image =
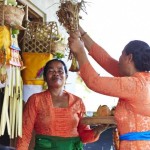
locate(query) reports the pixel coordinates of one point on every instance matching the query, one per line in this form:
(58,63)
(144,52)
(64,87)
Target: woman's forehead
(55,64)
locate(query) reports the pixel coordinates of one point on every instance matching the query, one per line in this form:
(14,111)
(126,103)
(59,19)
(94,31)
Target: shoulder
(37,95)
(73,96)
(142,79)
(35,98)
(75,100)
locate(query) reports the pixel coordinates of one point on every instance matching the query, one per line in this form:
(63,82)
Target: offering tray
(99,120)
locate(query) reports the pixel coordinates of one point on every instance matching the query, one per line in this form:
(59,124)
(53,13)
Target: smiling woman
(56,114)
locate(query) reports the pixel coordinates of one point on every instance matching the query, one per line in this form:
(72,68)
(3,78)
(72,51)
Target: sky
(112,24)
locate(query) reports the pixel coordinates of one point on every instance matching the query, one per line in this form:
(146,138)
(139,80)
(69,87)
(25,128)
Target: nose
(55,72)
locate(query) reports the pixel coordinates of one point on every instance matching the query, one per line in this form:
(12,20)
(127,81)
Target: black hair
(54,60)
(140,51)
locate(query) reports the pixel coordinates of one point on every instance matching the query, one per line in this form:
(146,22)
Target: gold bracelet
(84,33)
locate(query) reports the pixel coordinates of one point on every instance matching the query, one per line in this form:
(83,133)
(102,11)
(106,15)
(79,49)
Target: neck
(133,71)
(56,91)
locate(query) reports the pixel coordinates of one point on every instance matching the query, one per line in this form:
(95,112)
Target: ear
(130,58)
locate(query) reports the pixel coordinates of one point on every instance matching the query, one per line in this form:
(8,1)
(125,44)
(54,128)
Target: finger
(75,34)
(70,39)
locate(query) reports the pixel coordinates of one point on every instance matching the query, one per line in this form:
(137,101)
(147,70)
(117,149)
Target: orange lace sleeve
(29,115)
(104,59)
(86,134)
(112,86)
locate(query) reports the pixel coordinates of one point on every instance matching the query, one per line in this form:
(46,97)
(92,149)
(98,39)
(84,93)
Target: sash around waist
(134,136)
(44,142)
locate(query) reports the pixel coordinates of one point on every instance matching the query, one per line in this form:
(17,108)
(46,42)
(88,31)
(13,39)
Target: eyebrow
(60,68)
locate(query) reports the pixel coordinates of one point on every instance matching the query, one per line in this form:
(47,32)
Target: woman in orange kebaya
(131,84)
(55,115)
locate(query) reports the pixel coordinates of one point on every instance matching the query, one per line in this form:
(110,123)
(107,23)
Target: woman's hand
(101,128)
(76,46)
(75,43)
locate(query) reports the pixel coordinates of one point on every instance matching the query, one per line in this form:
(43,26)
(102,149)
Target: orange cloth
(133,109)
(39,114)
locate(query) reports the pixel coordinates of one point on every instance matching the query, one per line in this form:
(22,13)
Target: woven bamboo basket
(11,16)
(39,36)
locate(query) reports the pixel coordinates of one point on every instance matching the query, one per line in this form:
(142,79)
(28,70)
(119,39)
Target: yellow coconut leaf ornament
(5,41)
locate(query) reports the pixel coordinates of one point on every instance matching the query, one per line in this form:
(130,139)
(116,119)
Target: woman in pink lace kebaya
(131,84)
(55,115)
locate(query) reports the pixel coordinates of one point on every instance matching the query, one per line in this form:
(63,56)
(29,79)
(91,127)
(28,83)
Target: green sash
(44,142)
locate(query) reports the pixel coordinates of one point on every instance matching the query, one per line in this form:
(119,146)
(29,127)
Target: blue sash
(133,136)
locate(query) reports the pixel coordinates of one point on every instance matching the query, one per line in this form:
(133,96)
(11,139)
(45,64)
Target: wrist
(83,34)
(81,30)
(97,133)
(81,57)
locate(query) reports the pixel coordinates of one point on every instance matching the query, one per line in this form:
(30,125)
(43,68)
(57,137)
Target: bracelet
(84,33)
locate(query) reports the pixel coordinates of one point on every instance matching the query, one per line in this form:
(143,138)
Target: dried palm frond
(68,16)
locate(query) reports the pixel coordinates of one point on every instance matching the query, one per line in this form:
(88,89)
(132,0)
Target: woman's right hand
(77,47)
(75,43)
